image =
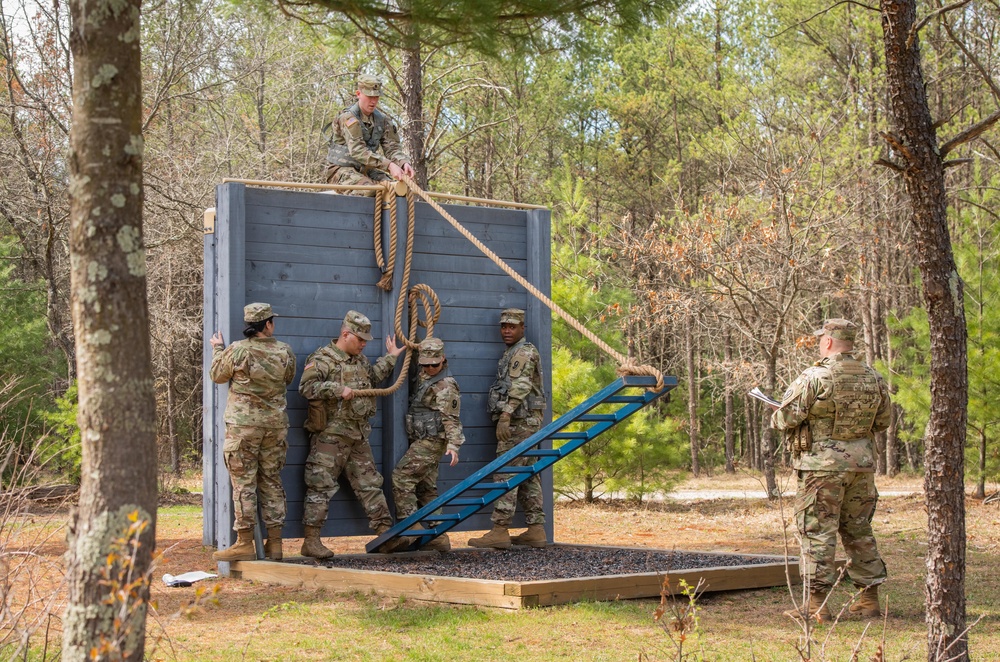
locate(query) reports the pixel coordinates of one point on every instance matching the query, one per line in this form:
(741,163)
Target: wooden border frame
(516,594)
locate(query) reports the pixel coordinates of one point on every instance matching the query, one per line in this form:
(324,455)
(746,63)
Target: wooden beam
(518,595)
(454,590)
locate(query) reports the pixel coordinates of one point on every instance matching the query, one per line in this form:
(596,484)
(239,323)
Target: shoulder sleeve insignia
(351,121)
(309,365)
(516,366)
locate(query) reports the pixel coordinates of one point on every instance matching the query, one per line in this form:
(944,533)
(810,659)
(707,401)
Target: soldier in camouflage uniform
(360,132)
(829,414)
(259,370)
(517,404)
(340,423)
(434,430)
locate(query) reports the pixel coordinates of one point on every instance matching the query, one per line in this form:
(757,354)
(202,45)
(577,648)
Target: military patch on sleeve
(516,366)
(351,121)
(309,365)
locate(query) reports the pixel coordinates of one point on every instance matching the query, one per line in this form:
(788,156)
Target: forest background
(718,183)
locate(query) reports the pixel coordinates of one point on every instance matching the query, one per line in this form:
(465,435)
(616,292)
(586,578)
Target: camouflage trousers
(350,177)
(414,480)
(254,457)
(330,456)
(832,502)
(529,493)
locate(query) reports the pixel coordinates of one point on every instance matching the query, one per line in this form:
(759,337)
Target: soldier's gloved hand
(503,428)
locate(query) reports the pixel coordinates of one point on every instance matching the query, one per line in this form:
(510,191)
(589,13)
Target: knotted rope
(420,295)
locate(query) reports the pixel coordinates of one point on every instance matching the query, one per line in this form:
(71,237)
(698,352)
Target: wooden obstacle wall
(311,256)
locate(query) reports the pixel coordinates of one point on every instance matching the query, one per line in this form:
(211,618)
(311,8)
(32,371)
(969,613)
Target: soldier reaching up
(258,369)
(340,423)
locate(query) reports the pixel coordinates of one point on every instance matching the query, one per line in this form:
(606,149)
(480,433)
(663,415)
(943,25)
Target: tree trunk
(980,492)
(923,176)
(871,341)
(108,288)
(730,436)
(767,438)
(892,434)
(413,109)
(692,395)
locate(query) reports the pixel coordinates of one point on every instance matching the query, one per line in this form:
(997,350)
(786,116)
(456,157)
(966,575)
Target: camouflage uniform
(353,156)
(258,371)
(343,444)
(433,428)
(518,391)
(843,401)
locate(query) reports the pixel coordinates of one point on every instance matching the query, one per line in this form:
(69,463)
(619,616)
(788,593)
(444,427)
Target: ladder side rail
(607,394)
(540,436)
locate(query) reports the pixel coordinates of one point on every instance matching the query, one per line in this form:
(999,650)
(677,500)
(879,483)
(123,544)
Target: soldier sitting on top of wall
(359,134)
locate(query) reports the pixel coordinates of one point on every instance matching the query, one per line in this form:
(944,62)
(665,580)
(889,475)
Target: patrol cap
(838,328)
(369,85)
(512,316)
(431,351)
(358,324)
(257,312)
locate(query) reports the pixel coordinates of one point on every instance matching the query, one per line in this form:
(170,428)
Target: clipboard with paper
(763,397)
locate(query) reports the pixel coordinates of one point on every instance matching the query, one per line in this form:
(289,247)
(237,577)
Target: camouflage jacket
(435,406)
(259,371)
(328,370)
(518,387)
(357,140)
(825,401)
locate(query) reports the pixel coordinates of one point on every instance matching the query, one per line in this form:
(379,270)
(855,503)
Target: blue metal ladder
(478,490)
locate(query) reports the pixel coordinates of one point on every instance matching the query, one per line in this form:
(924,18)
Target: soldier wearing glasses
(434,431)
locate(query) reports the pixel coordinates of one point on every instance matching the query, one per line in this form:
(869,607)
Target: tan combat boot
(818,609)
(243,550)
(497,538)
(272,548)
(397,545)
(313,546)
(533,537)
(440,544)
(866,606)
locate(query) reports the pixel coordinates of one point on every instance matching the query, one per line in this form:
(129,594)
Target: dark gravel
(529,564)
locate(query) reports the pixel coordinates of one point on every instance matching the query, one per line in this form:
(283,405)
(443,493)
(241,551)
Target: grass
(253,621)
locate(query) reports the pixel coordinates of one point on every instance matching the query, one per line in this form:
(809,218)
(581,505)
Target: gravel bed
(530,564)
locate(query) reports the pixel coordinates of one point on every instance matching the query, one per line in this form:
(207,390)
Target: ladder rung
(467,502)
(611,418)
(569,435)
(625,399)
(516,470)
(489,486)
(443,517)
(542,452)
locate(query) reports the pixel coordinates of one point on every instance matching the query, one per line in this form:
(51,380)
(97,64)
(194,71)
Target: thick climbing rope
(627,366)
(385,196)
(420,295)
